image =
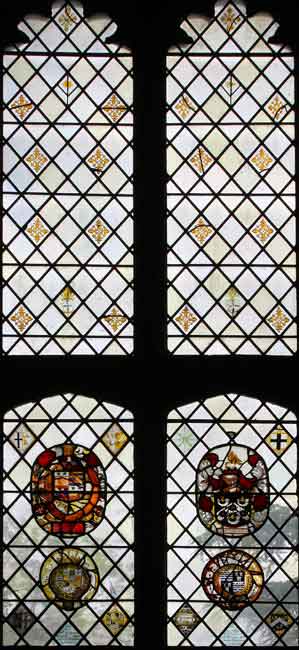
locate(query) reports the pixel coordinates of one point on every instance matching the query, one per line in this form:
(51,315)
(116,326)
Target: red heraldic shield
(68,490)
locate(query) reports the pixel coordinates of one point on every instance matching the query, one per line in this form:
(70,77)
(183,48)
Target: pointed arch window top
(67,187)
(68,545)
(232,31)
(68,31)
(232,527)
(231,167)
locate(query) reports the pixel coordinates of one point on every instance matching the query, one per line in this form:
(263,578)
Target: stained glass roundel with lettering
(68,490)
(233,579)
(232,490)
(69,577)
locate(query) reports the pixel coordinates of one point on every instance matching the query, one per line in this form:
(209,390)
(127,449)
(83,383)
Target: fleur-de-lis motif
(261,160)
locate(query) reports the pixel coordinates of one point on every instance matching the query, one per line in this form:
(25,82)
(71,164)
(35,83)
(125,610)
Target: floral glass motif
(37,230)
(232,524)
(68,534)
(21,319)
(231,190)
(21,106)
(67,187)
(114,108)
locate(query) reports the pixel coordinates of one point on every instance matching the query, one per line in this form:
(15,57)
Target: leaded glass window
(68,557)
(149,383)
(232,527)
(231,194)
(67,188)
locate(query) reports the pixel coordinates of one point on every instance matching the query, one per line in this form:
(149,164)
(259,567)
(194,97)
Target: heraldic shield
(232,491)
(68,490)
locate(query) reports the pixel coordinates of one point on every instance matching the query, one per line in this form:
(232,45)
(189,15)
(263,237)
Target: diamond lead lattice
(68,197)
(211,445)
(231,192)
(32,554)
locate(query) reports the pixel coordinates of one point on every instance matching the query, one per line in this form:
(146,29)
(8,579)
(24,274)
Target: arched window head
(231,190)
(68,536)
(232,528)
(67,188)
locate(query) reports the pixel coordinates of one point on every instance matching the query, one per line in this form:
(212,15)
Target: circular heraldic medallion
(233,579)
(68,490)
(69,577)
(232,490)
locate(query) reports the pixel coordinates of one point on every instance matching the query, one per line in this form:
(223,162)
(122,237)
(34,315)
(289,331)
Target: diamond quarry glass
(232,524)
(68,538)
(67,188)
(231,192)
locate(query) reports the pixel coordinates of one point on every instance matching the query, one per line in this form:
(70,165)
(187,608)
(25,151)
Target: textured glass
(67,188)
(68,537)
(231,193)
(232,524)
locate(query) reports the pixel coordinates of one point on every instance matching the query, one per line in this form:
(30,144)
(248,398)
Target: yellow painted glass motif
(67,188)
(232,524)
(68,524)
(231,189)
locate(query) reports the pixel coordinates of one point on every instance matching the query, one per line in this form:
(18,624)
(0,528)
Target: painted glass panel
(67,188)
(68,538)
(231,194)
(232,524)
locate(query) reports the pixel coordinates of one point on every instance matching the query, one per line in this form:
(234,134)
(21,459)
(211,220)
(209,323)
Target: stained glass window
(232,528)
(67,188)
(68,558)
(231,194)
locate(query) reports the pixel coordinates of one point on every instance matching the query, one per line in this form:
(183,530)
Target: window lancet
(232,528)
(67,188)
(68,556)
(231,193)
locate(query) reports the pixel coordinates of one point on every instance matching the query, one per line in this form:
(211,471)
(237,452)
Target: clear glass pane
(68,194)
(232,527)
(231,194)
(68,536)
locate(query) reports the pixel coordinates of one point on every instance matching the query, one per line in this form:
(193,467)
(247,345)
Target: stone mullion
(150,203)
(150,338)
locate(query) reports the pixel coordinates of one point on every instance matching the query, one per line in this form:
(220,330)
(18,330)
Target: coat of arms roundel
(68,490)
(232,491)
